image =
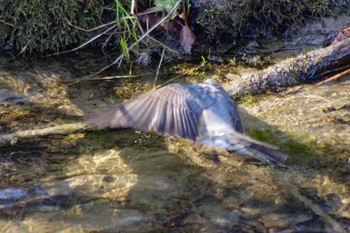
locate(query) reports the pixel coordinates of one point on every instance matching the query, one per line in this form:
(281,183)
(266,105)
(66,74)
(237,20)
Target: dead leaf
(341,36)
(187,38)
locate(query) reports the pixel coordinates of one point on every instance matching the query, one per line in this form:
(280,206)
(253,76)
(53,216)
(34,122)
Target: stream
(123,180)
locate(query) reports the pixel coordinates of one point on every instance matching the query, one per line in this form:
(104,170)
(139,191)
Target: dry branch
(303,68)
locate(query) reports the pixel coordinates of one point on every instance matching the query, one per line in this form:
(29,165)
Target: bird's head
(212,82)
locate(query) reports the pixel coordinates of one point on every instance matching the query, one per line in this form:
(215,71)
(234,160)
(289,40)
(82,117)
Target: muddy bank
(58,26)
(235,22)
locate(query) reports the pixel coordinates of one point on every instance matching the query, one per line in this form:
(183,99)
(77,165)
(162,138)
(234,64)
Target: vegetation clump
(56,25)
(39,25)
(230,20)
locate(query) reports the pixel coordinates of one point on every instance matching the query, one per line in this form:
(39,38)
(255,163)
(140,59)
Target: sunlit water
(122,180)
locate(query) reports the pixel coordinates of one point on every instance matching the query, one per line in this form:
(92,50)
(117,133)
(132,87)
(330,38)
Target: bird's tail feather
(262,151)
(266,154)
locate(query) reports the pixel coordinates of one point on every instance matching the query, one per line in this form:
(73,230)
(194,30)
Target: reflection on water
(122,180)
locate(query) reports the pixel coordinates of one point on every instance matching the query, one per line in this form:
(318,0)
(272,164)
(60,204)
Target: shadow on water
(155,190)
(119,180)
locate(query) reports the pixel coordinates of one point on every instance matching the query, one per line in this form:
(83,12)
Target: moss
(39,25)
(249,100)
(229,20)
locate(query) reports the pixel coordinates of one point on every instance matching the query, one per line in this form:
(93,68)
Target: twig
(9,24)
(290,189)
(107,78)
(60,129)
(162,44)
(82,45)
(335,77)
(133,7)
(159,65)
(176,77)
(333,71)
(317,210)
(90,30)
(167,82)
(150,11)
(149,31)
(133,44)
(108,38)
(26,46)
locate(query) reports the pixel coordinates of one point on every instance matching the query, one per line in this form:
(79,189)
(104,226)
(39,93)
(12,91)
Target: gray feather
(203,113)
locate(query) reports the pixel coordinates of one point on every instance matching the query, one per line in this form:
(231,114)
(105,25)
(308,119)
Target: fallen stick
(303,68)
(341,74)
(60,129)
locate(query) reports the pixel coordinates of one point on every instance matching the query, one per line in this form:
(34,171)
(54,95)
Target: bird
(203,113)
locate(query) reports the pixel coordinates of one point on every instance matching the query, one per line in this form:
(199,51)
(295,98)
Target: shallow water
(124,180)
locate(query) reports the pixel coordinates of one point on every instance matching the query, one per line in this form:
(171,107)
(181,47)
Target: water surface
(130,181)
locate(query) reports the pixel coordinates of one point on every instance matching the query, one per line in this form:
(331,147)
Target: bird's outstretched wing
(168,110)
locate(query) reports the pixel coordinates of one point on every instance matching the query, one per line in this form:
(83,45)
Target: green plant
(39,25)
(127,26)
